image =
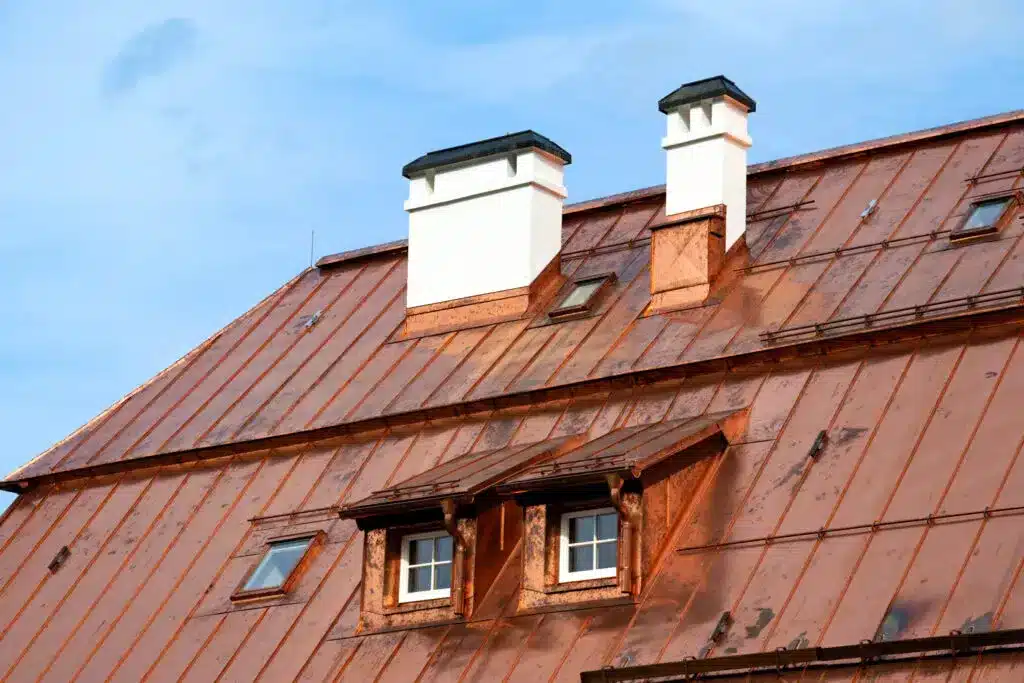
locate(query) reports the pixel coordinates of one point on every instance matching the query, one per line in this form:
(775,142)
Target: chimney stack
(706,149)
(485,221)
(705,190)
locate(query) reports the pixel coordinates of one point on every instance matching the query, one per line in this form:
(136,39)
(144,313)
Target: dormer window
(984,217)
(426,567)
(578,520)
(435,542)
(581,297)
(589,545)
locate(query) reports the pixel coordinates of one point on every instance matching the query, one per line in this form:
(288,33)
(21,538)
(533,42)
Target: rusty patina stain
(799,643)
(764,617)
(848,434)
(978,624)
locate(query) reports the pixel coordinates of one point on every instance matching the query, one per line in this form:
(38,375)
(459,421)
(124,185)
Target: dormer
(576,519)
(485,231)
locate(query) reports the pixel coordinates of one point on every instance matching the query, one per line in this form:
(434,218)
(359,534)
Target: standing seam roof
(906,524)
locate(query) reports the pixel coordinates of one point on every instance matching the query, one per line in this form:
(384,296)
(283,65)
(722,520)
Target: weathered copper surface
(923,419)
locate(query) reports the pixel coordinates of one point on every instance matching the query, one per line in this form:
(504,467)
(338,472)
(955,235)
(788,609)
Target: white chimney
(706,145)
(484,217)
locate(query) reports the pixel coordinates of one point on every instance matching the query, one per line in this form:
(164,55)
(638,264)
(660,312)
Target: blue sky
(162,164)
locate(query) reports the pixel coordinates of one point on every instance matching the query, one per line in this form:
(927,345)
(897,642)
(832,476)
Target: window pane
(277,564)
(986,214)
(443,549)
(581,558)
(421,550)
(580,294)
(606,553)
(607,526)
(581,529)
(419,579)
(442,575)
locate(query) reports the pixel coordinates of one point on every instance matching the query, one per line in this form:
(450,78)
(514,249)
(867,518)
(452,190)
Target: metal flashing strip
(853,529)
(845,251)
(956,644)
(989,301)
(382,250)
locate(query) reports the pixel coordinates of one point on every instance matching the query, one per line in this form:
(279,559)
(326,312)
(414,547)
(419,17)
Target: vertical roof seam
(276,360)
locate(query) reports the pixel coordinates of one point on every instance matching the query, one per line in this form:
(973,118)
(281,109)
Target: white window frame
(566,576)
(404,595)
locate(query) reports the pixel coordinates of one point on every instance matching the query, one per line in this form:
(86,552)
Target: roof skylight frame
(1008,201)
(242,592)
(581,308)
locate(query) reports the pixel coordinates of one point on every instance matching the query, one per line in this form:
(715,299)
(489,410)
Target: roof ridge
(783,163)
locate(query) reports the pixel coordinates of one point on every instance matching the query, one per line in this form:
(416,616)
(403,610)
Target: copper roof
(812,260)
(905,525)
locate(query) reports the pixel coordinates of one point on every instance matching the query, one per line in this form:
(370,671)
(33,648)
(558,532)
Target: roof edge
(781,164)
(362,253)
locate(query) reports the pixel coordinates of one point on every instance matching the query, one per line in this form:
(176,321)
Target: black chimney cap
(702,90)
(485,148)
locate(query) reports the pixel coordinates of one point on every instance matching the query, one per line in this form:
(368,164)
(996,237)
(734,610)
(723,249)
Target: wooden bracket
(451,525)
(625,573)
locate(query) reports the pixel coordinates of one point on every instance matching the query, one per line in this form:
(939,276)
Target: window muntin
(277,565)
(589,545)
(984,216)
(426,567)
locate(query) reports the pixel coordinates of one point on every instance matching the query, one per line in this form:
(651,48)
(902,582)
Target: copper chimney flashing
(687,251)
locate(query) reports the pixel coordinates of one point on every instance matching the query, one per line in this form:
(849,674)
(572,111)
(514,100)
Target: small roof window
(274,572)
(426,567)
(983,217)
(581,296)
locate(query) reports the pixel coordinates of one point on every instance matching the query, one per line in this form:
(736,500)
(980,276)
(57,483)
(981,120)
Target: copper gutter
(865,653)
(852,342)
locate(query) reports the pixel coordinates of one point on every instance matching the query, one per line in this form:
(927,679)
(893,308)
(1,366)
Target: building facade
(657,445)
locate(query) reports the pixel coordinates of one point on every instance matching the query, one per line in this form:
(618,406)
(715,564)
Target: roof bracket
(59,559)
(451,525)
(313,320)
(872,206)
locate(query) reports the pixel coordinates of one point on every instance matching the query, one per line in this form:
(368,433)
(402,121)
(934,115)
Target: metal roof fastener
(313,320)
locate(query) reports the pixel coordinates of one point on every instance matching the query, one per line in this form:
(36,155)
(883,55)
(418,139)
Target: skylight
(581,297)
(983,217)
(277,565)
